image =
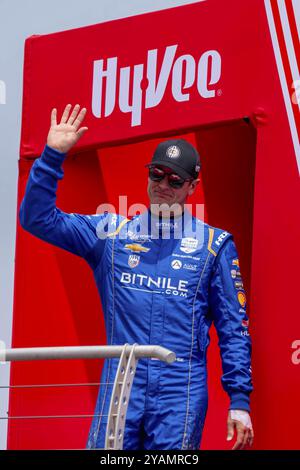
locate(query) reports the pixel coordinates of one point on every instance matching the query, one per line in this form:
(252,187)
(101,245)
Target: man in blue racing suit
(162,280)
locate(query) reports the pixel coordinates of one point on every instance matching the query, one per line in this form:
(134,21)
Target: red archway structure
(228,87)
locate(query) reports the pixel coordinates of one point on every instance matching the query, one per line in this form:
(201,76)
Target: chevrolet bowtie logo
(136,247)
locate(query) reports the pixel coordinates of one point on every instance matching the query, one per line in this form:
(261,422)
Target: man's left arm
(227,302)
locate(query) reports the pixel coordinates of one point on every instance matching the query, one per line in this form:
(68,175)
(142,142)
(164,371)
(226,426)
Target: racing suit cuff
(239,401)
(53,157)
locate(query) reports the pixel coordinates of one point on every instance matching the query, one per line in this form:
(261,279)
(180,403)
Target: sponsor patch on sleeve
(241,298)
(221,238)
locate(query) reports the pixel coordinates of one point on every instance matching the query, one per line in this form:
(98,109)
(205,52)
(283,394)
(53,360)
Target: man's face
(160,192)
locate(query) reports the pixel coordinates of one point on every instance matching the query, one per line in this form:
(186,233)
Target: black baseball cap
(179,155)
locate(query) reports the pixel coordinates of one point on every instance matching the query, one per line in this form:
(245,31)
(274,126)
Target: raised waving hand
(63,135)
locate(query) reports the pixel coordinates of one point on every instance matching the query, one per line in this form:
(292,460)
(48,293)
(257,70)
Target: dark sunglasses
(174,180)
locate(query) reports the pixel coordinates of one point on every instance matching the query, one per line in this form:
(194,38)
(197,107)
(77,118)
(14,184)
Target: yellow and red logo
(235,262)
(241,298)
(136,248)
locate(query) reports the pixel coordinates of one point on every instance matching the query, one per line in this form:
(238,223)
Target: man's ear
(193,186)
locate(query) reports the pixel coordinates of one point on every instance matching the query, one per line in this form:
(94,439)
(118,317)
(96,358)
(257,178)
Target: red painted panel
(250,186)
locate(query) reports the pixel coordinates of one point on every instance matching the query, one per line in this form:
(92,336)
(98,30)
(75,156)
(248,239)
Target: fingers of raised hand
(74,119)
(65,115)
(77,122)
(73,115)
(81,131)
(53,117)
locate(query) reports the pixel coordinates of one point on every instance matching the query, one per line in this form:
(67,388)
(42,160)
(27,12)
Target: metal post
(120,399)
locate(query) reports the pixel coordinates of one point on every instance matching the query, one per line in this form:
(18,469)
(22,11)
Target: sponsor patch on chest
(189,245)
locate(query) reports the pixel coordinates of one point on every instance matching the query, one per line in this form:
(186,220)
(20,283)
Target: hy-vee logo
(127,84)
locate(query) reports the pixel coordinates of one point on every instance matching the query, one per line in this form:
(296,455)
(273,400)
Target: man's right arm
(40,216)
(38,212)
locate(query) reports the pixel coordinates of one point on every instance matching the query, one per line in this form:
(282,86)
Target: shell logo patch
(136,248)
(241,298)
(235,262)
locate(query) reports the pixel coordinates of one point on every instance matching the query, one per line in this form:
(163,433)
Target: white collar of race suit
(149,224)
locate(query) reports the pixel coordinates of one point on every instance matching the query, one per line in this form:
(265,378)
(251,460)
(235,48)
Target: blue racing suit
(160,283)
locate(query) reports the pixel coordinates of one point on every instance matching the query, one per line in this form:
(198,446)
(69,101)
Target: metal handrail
(84,352)
(129,356)
(82,384)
